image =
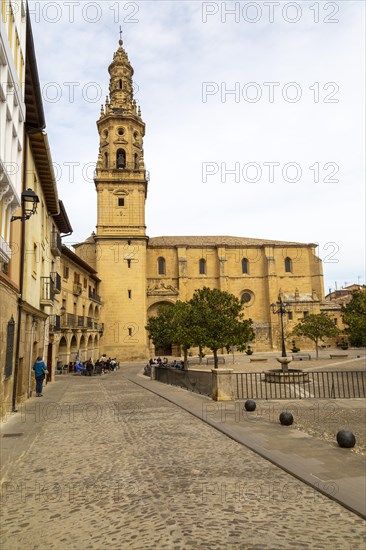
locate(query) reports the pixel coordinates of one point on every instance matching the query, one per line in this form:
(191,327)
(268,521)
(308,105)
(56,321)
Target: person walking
(40,371)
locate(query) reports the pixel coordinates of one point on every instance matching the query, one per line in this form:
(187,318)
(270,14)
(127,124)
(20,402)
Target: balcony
(68,321)
(77,289)
(94,296)
(56,280)
(47,291)
(55,323)
(56,243)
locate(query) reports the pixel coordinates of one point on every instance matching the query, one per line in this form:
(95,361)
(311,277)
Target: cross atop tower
(120,35)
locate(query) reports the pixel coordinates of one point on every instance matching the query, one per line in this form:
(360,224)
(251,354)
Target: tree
(160,327)
(217,318)
(174,325)
(354,316)
(316,328)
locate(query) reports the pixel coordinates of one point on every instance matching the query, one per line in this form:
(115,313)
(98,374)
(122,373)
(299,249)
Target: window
(246,297)
(288,265)
(66,272)
(335,321)
(120,83)
(121,159)
(121,202)
(129,293)
(136,161)
(76,277)
(202,266)
(130,332)
(161,266)
(85,283)
(289,315)
(245,266)
(128,263)
(106,163)
(306,314)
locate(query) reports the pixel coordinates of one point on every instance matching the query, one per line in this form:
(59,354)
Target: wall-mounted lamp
(29,205)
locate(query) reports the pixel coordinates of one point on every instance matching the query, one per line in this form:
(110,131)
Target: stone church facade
(138,273)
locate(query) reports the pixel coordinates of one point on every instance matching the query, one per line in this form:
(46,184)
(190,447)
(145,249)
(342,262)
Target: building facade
(139,274)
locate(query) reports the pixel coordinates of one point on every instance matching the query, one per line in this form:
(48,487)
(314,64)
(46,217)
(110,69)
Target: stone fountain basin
(289,376)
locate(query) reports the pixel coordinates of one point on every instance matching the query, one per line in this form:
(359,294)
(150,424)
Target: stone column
(222,385)
(153,373)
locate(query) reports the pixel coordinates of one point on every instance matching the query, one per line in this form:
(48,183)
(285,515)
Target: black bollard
(286,418)
(346,439)
(250,405)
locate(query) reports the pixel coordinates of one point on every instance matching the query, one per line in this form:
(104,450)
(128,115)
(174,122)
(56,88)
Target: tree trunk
(316,349)
(216,361)
(200,353)
(185,351)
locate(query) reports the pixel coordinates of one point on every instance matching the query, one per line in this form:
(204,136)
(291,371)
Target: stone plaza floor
(103,463)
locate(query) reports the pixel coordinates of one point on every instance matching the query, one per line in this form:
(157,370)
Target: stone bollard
(222,385)
(153,373)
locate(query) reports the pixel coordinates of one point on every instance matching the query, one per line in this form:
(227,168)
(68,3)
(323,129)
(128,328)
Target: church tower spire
(121,183)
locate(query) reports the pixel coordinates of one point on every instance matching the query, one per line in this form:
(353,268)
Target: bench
(301,356)
(211,360)
(338,356)
(257,359)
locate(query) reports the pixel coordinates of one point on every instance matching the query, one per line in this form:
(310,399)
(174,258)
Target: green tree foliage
(354,316)
(316,328)
(212,318)
(218,321)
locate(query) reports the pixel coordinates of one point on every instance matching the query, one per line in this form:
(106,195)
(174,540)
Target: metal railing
(56,280)
(319,385)
(195,381)
(94,296)
(56,243)
(55,323)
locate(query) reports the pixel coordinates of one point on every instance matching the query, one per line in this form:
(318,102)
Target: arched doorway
(73,349)
(82,349)
(158,349)
(90,351)
(62,355)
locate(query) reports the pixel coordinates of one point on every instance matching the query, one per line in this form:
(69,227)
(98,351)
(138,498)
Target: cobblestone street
(111,465)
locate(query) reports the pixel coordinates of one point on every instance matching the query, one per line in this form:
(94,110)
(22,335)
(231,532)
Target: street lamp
(29,202)
(280,309)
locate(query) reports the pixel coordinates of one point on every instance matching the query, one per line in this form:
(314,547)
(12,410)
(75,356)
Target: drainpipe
(21,284)
(30,358)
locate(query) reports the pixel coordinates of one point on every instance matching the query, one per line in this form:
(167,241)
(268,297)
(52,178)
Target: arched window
(202,266)
(120,83)
(161,266)
(121,159)
(105,160)
(136,161)
(244,266)
(288,265)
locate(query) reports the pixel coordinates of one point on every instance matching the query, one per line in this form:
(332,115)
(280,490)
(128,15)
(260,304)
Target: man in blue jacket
(40,371)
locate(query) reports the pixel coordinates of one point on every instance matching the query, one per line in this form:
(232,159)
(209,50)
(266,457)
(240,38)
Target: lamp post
(29,202)
(280,309)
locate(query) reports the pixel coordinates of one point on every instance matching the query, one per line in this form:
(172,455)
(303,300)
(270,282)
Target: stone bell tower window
(121,159)
(121,202)
(135,161)
(120,83)
(105,160)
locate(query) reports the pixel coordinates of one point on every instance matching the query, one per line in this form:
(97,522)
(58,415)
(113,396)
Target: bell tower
(121,184)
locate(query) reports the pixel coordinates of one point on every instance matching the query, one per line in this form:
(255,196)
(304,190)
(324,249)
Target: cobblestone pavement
(113,466)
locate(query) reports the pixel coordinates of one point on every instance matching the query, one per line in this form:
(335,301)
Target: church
(138,274)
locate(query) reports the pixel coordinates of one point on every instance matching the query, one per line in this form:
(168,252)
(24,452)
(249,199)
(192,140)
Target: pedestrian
(40,371)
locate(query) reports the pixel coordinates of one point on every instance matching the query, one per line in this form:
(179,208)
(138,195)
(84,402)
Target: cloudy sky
(254,116)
